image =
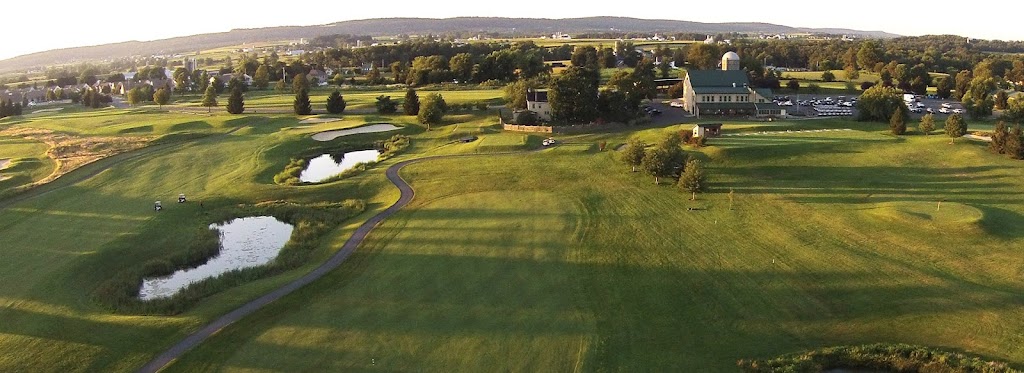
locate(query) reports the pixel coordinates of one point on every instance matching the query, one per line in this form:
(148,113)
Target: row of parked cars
(840,101)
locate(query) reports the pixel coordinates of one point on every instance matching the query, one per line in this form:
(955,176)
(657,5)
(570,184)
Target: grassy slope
(57,248)
(832,241)
(270,99)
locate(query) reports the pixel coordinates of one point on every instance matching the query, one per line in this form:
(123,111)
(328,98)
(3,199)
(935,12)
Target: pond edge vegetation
(310,221)
(388,148)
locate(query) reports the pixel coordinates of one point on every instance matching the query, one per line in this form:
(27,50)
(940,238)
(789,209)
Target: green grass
(354,99)
(555,260)
(804,259)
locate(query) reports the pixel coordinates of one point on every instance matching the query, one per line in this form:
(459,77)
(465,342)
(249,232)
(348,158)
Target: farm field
(554,260)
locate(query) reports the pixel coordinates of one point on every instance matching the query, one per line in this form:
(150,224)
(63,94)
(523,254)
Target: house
(727,92)
(319,76)
(707,130)
(537,102)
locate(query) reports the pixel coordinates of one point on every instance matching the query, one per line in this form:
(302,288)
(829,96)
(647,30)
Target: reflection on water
(325,166)
(244,243)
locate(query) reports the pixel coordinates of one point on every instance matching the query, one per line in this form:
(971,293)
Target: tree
(704,56)
(385,105)
(927,124)
(633,153)
(793,84)
(461,66)
(693,179)
(134,96)
(1000,135)
(162,96)
(515,93)
(955,127)
(656,163)
(1014,111)
(281,85)
(944,87)
(962,84)
(1001,99)
(432,110)
(335,103)
(869,54)
(851,73)
(1015,143)
(300,83)
(898,122)
(411,105)
(218,85)
(302,105)
(828,76)
(878,104)
(573,96)
(261,79)
(210,98)
(236,103)
(676,90)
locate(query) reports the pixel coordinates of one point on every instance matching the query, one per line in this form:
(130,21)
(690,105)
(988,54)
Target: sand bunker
(333,134)
(54,110)
(319,120)
(4,163)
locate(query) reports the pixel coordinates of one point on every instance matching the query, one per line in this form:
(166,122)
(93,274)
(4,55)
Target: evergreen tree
(210,98)
(162,96)
(385,105)
(281,85)
(17,109)
(1000,135)
(693,180)
(897,124)
(335,103)
(411,105)
(87,98)
(633,153)
(955,127)
(1015,143)
(927,124)
(300,83)
(5,110)
(261,79)
(302,105)
(236,103)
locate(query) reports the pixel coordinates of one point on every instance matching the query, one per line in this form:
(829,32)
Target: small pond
(331,135)
(244,243)
(326,166)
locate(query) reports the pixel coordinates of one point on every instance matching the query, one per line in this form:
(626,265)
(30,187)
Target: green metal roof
(720,90)
(726,106)
(718,78)
(764,92)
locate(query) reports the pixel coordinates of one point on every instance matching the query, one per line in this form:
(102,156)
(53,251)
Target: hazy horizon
(898,18)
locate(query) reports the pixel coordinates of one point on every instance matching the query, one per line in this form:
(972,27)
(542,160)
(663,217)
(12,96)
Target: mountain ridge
(395,26)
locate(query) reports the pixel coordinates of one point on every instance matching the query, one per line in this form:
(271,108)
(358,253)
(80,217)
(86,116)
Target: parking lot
(935,104)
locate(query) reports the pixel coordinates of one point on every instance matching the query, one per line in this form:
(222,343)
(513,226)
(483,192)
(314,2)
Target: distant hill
(394,26)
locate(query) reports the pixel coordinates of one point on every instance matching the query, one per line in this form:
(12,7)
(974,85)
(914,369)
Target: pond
(325,166)
(331,135)
(244,243)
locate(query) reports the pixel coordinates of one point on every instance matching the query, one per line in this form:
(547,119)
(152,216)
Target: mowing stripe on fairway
(407,194)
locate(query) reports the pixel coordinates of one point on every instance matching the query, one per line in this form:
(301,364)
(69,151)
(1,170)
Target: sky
(81,23)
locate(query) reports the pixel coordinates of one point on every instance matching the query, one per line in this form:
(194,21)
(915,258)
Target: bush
(875,357)
(828,76)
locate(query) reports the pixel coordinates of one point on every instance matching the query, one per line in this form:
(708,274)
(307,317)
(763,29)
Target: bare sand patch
(333,134)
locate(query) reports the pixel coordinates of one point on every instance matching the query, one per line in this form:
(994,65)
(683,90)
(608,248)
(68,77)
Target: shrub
(828,76)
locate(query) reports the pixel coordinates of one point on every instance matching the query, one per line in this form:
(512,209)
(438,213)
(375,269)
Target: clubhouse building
(727,92)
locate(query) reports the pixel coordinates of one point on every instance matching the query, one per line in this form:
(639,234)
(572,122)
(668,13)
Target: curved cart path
(194,339)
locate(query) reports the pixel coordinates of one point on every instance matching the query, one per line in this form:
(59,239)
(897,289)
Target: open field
(545,261)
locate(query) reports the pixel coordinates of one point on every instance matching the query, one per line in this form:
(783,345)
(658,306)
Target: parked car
(916,110)
(930,111)
(947,105)
(944,110)
(676,104)
(920,105)
(958,111)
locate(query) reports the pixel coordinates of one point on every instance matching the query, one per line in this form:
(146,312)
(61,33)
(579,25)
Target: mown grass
(599,269)
(554,260)
(256,100)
